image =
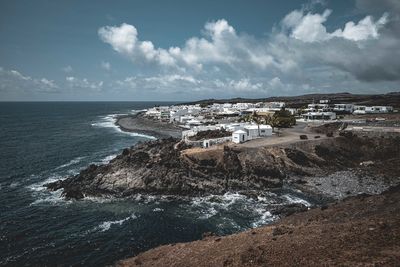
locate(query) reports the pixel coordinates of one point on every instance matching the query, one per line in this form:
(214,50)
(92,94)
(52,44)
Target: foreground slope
(360,231)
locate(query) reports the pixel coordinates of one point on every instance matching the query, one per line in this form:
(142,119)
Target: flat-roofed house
(239,136)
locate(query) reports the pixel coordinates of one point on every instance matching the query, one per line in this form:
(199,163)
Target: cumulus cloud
(203,86)
(366,49)
(13,80)
(365,29)
(310,27)
(123,39)
(74,82)
(299,55)
(220,45)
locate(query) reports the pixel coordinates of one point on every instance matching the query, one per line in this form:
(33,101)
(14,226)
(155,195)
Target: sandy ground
(285,136)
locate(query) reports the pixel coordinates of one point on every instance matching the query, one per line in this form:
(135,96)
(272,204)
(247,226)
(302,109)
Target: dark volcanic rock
(159,167)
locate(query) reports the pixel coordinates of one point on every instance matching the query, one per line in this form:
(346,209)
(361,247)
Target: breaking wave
(109,122)
(70,163)
(105,226)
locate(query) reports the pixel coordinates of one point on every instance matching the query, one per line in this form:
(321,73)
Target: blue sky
(187,50)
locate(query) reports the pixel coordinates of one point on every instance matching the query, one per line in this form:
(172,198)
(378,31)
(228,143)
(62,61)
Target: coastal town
(313,154)
(206,125)
(188,133)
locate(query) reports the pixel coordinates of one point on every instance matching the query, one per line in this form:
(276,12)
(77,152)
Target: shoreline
(313,167)
(136,123)
(359,230)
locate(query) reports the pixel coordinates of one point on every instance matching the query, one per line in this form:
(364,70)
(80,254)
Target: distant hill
(389,99)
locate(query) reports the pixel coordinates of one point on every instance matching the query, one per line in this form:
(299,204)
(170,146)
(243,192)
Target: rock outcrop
(159,167)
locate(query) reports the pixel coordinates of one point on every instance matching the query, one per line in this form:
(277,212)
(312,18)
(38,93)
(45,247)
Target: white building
(318,108)
(255,131)
(250,132)
(372,110)
(343,108)
(319,116)
(239,136)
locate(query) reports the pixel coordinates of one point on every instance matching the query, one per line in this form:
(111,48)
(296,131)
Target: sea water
(44,142)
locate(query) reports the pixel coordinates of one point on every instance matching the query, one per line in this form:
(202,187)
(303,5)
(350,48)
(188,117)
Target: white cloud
(68,69)
(19,75)
(220,45)
(106,65)
(48,83)
(245,85)
(84,83)
(122,39)
(365,29)
(16,81)
(310,27)
(168,79)
(223,61)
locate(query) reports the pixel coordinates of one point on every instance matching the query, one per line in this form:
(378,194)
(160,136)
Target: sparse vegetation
(209,134)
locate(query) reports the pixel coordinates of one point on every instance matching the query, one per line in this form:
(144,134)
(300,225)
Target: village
(206,125)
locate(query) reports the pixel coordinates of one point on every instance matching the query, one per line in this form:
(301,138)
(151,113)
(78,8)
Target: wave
(158,210)
(108,158)
(105,226)
(293,199)
(70,163)
(265,218)
(40,185)
(43,195)
(52,197)
(235,205)
(14,184)
(109,122)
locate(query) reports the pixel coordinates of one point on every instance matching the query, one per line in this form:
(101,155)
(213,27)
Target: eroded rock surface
(158,167)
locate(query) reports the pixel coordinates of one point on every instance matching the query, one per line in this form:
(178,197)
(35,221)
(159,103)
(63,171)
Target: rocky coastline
(162,168)
(337,172)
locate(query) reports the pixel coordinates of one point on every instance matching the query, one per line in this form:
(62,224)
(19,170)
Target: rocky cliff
(158,167)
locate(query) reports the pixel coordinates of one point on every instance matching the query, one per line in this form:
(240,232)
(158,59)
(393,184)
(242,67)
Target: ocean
(42,142)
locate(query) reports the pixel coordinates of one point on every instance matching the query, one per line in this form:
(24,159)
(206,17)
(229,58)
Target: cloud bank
(363,51)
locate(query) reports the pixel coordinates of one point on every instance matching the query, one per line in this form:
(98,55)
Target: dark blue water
(43,142)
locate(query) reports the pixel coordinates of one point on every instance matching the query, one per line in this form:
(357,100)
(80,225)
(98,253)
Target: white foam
(105,226)
(70,163)
(40,185)
(14,184)
(224,201)
(108,158)
(102,199)
(266,217)
(109,122)
(158,210)
(52,197)
(210,212)
(294,199)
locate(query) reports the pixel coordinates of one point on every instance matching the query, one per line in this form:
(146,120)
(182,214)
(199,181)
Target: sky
(189,50)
